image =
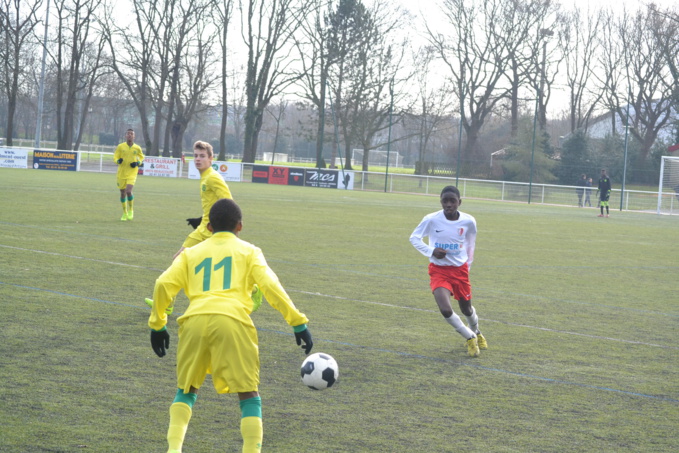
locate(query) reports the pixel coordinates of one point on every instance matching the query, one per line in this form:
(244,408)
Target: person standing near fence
(588,192)
(604,192)
(129,157)
(580,190)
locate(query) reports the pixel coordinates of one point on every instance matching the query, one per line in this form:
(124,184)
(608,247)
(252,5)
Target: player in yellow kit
(129,156)
(216,334)
(212,188)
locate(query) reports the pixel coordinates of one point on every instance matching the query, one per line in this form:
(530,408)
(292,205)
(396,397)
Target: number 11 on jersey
(206,267)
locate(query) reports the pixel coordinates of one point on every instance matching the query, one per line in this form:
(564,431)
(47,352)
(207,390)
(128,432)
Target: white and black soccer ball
(319,371)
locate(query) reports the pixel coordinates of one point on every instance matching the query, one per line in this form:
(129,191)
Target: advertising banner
(260,174)
(320,177)
(13,158)
(56,160)
(332,179)
(346,180)
(278,175)
(295,176)
(229,171)
(167,167)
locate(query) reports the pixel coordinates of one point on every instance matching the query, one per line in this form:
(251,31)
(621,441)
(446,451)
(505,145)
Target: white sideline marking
(80,258)
(489,320)
(330,296)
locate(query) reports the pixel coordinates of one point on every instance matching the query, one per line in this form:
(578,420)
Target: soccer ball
(319,371)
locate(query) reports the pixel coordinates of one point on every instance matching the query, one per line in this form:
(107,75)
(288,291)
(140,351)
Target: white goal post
(668,187)
(376,157)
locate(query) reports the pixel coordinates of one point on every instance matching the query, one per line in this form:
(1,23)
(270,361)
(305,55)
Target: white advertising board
(230,171)
(166,167)
(13,158)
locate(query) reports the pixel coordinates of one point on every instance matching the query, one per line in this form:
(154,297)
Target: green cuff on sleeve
(299,328)
(160,330)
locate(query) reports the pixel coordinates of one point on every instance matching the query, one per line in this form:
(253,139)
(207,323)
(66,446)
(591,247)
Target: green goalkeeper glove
(120,161)
(160,341)
(303,336)
(256,297)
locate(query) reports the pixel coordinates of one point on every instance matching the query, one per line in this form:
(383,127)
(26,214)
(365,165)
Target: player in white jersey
(450,248)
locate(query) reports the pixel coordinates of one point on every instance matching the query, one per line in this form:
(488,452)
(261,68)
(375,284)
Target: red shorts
(454,279)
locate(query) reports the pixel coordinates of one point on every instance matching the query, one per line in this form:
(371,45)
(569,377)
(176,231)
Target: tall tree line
(355,61)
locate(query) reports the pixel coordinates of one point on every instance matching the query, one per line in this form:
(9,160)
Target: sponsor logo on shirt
(460,232)
(447,246)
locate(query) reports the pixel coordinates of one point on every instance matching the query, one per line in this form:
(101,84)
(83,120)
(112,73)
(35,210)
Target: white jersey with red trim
(456,237)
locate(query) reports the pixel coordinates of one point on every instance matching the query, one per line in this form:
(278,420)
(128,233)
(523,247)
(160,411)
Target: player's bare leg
(469,312)
(442,297)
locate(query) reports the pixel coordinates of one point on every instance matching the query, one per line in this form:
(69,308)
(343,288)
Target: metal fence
(518,192)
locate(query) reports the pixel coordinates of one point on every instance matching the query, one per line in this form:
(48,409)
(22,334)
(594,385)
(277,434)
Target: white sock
(473,321)
(459,326)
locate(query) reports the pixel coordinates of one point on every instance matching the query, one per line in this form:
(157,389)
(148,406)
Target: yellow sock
(253,432)
(180,414)
(130,203)
(123,201)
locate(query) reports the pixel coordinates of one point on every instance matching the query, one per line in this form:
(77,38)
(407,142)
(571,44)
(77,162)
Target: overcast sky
(429,9)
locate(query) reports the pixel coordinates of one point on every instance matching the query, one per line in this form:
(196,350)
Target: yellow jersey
(129,154)
(217,276)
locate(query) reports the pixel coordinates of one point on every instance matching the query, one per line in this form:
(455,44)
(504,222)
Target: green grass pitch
(581,315)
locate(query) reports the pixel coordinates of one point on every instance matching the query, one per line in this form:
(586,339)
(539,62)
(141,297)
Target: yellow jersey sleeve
(212,188)
(217,276)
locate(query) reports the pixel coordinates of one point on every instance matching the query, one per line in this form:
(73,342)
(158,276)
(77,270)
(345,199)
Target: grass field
(581,315)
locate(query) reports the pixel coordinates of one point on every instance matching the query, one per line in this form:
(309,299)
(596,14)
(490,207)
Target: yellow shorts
(221,346)
(123,182)
(197,236)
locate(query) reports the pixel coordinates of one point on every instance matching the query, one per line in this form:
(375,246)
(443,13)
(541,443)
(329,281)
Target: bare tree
(578,42)
(366,54)
(268,29)
(518,24)
(476,54)
(75,35)
(666,30)
(644,78)
(158,59)
(190,51)
(278,114)
(315,60)
(132,58)
(224,13)
(90,75)
(434,105)
(16,27)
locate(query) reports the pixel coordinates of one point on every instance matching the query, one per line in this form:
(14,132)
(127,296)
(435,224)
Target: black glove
(120,161)
(194,222)
(304,336)
(160,341)
(134,164)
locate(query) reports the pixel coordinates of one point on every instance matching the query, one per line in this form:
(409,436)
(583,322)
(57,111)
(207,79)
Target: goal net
(377,157)
(668,188)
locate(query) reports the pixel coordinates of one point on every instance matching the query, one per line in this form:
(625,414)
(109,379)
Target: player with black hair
(216,334)
(604,192)
(450,248)
(129,157)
